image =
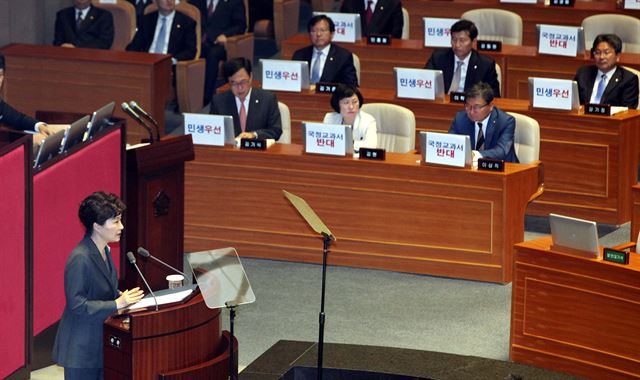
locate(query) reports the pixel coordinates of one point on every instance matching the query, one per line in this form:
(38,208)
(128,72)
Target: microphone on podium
(129,111)
(132,260)
(144,253)
(135,106)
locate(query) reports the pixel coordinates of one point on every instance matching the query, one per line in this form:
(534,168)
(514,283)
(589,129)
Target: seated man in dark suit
(84,26)
(491,130)
(462,66)
(377,16)
(255,111)
(220,19)
(606,82)
(335,64)
(140,5)
(178,37)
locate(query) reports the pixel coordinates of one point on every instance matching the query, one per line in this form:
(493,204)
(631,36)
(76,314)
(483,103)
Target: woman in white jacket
(346,102)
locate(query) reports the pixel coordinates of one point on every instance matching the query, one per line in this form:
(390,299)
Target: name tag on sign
(631,4)
(206,129)
(284,75)
(437,31)
(348,28)
(560,40)
(556,94)
(445,149)
(419,83)
(329,139)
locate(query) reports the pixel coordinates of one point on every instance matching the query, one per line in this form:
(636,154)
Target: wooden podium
(183,341)
(155,207)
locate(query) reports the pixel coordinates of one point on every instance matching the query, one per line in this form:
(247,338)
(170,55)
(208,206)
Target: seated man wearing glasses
(491,129)
(254,110)
(605,82)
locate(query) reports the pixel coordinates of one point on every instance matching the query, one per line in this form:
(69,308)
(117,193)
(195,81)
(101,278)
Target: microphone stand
(132,259)
(326,240)
(147,254)
(233,373)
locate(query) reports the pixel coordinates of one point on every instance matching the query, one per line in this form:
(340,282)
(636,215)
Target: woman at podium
(346,102)
(91,289)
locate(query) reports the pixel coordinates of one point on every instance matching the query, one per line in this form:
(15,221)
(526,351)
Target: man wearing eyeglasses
(605,82)
(327,62)
(491,130)
(254,110)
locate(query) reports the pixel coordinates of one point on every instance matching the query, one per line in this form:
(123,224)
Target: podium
(176,342)
(155,207)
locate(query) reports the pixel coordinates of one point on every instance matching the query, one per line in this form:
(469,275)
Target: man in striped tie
(84,26)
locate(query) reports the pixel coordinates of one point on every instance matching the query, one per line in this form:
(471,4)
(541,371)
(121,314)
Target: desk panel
(393,215)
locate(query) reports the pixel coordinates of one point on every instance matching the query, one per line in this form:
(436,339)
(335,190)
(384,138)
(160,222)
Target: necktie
(210,8)
(600,89)
(161,36)
(455,82)
(79,20)
(140,7)
(368,14)
(480,139)
(243,116)
(315,70)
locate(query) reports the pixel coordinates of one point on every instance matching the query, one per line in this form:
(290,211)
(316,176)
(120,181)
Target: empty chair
(496,24)
(526,139)
(285,117)
(405,24)
(286,16)
(396,126)
(124,21)
(356,64)
(625,27)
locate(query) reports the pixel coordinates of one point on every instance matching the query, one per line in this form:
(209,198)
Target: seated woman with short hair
(346,102)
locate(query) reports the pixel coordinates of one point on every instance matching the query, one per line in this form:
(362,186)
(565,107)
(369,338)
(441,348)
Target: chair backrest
(638,75)
(626,27)
(285,117)
(496,24)
(356,64)
(499,72)
(396,126)
(526,138)
(286,17)
(405,24)
(189,10)
(124,21)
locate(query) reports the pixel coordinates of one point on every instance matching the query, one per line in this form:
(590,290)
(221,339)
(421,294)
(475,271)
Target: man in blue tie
(491,130)
(605,82)
(83,26)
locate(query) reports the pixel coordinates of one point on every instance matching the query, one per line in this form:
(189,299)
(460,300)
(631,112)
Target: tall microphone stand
(233,369)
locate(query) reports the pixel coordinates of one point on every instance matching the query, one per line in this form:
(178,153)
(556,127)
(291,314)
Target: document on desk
(162,300)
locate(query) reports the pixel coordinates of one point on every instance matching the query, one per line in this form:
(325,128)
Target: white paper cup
(175,280)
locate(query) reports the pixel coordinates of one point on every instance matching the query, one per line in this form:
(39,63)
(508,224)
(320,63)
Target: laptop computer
(49,148)
(574,233)
(75,133)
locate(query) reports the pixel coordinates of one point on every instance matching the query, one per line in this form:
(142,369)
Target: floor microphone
(144,253)
(129,111)
(132,260)
(144,113)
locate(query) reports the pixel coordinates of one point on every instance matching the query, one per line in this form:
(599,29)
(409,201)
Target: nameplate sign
(560,40)
(329,139)
(561,3)
(419,83)
(631,4)
(282,75)
(615,256)
(446,149)
(556,94)
(457,97)
(490,164)
(253,144)
(484,45)
(371,154)
(205,129)
(437,31)
(348,28)
(108,1)
(597,109)
(378,39)
(326,88)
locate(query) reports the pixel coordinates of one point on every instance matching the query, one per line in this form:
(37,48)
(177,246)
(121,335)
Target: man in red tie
(254,110)
(377,16)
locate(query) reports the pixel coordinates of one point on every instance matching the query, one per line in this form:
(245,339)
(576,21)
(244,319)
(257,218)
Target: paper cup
(175,280)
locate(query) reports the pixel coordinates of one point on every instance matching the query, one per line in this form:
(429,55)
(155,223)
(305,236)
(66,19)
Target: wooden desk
(574,314)
(392,215)
(518,63)
(590,162)
(635,220)
(39,77)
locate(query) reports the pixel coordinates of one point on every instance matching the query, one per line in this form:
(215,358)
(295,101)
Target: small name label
(325,88)
(253,144)
(490,164)
(378,39)
(561,3)
(457,97)
(489,45)
(597,109)
(372,154)
(615,256)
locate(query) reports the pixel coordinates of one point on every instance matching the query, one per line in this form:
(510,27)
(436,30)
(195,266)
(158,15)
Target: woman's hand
(129,297)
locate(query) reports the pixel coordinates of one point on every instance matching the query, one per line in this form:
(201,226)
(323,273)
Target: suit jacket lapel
(328,63)
(91,15)
(377,12)
(100,264)
(613,82)
(472,70)
(233,110)
(491,129)
(176,28)
(254,108)
(591,80)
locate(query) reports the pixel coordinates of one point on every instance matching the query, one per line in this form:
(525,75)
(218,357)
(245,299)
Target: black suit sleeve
(14,119)
(238,19)
(397,21)
(630,93)
(188,44)
(349,75)
(99,35)
(491,78)
(273,128)
(58,36)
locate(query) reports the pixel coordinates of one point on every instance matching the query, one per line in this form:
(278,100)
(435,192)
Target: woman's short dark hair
(345,91)
(316,19)
(465,26)
(613,40)
(98,208)
(234,65)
